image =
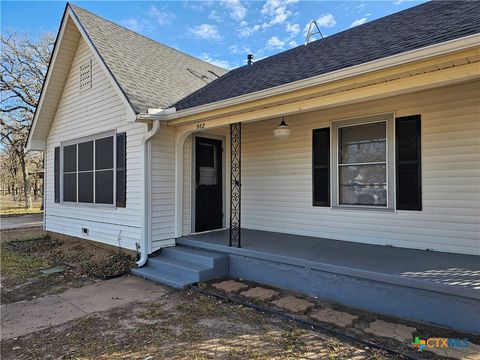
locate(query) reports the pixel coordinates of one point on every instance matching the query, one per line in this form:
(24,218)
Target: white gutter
(375,65)
(147,181)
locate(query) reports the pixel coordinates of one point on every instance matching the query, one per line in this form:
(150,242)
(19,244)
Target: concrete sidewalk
(21,222)
(24,317)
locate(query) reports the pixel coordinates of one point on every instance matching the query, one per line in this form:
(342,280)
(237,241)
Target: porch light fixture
(282,131)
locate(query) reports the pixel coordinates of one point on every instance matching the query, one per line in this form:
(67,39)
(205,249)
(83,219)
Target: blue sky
(221,32)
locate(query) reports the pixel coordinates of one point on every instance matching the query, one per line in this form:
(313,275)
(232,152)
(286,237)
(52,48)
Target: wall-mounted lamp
(282,131)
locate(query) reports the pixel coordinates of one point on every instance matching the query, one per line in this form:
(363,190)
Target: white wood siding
(86,113)
(277,176)
(163,188)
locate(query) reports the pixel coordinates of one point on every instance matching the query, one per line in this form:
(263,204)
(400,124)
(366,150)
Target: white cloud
(133,24)
(235,9)
(277,11)
(292,29)
(225,64)
(292,43)
(205,32)
(359,22)
(398,2)
(274,43)
(215,15)
(246,31)
(236,49)
(161,16)
(327,21)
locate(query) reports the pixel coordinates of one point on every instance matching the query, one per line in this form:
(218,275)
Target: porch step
(180,266)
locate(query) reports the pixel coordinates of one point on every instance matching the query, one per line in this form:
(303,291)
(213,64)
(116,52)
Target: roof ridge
(73,6)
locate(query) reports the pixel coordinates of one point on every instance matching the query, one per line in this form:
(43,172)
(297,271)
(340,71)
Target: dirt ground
(25,252)
(182,325)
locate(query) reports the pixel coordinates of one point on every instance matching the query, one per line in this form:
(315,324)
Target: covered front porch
(435,287)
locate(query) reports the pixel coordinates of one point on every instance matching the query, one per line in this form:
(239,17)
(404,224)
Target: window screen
(70,173)
(362,164)
(89,171)
(321,167)
(104,187)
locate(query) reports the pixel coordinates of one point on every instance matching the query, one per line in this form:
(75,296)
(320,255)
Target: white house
(147,148)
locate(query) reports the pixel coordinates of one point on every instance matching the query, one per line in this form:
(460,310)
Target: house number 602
(201,126)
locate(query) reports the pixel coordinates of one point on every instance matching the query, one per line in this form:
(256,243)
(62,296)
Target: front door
(208,184)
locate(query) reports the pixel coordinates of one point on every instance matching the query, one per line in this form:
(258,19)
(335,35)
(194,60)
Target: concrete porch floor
(446,272)
(435,287)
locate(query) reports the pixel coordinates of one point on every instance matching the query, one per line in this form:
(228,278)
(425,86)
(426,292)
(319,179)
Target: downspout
(146,192)
(156,116)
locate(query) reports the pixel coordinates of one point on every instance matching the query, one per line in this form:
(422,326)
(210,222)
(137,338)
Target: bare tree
(23,67)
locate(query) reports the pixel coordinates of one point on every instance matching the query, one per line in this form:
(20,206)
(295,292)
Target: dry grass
(25,252)
(9,207)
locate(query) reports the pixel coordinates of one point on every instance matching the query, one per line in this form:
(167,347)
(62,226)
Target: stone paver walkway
(259,293)
(23,317)
(230,286)
(339,318)
(293,304)
(395,331)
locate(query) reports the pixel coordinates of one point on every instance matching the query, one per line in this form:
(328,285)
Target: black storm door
(208,184)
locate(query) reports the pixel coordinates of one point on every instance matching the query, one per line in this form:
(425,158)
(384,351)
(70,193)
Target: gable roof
(151,75)
(420,26)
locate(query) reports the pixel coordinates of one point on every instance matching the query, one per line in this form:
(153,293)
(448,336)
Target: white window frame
(389,120)
(102,135)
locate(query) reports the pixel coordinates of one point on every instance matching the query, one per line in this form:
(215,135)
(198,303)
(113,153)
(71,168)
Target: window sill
(364,208)
(87,205)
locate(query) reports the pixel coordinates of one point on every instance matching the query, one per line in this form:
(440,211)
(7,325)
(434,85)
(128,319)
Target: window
(89,170)
(363,161)
(86,75)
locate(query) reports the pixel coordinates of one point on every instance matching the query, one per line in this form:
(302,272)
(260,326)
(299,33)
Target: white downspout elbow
(146,192)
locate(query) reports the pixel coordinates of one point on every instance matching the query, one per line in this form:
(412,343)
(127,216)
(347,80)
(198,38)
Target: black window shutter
(408,162)
(321,167)
(56,174)
(121,169)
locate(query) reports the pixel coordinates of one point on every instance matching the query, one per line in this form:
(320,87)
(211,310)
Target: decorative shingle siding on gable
(427,24)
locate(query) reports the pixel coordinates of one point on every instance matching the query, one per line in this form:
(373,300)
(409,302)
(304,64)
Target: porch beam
(235,183)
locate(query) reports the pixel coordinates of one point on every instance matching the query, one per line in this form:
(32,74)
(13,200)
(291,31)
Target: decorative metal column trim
(235,183)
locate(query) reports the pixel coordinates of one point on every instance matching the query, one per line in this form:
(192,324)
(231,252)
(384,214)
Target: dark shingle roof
(414,28)
(151,74)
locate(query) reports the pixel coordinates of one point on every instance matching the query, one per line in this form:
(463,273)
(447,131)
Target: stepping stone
(230,286)
(259,293)
(331,316)
(471,352)
(394,331)
(293,304)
